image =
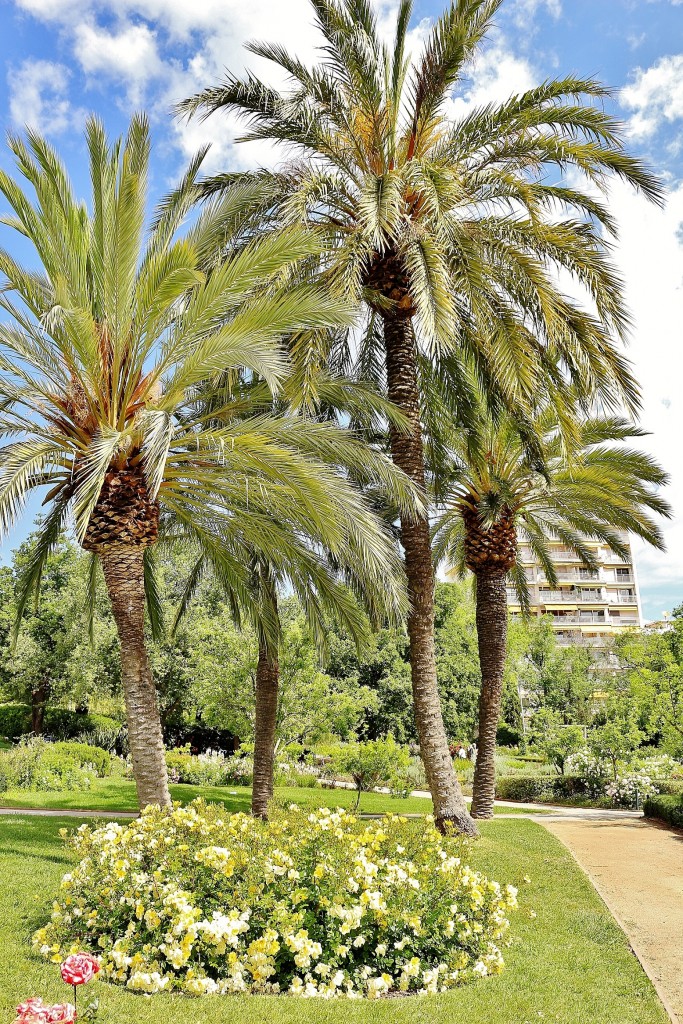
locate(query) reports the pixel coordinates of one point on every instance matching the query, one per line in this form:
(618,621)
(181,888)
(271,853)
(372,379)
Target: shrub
(540,788)
(83,754)
(38,765)
(15,720)
(508,735)
(666,808)
(319,904)
(630,788)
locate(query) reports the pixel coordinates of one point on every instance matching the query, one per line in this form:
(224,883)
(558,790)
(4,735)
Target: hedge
(15,721)
(544,788)
(665,808)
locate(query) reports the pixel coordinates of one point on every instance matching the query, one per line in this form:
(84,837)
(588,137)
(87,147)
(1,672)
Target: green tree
(616,736)
(415,208)
(555,739)
(653,665)
(588,486)
(103,359)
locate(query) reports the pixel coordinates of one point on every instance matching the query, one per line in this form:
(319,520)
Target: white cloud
(655,95)
(649,254)
(128,54)
(496,74)
(39,97)
(523,11)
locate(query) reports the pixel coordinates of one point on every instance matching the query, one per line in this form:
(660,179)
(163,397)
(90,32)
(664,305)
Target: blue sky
(64,58)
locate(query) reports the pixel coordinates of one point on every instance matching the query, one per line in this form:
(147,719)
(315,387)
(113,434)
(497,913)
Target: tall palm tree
(591,486)
(103,364)
(345,588)
(448,232)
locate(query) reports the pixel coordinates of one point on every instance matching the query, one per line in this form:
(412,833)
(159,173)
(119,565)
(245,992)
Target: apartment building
(587,605)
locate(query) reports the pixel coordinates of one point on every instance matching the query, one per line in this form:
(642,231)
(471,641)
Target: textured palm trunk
(267,682)
(492,627)
(124,576)
(408,454)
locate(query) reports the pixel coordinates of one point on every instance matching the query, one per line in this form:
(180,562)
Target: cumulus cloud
(655,95)
(39,97)
(128,54)
(496,75)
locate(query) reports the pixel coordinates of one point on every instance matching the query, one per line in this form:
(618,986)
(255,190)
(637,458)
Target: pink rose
(33,1011)
(79,968)
(61,1013)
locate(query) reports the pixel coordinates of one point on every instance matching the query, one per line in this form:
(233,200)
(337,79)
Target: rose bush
(320,904)
(35,1011)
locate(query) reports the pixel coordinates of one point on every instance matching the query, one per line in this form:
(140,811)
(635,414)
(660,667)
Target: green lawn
(119,795)
(569,965)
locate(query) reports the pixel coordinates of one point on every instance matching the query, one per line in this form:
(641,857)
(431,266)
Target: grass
(569,965)
(119,795)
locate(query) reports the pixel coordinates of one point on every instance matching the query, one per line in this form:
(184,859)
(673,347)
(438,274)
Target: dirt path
(637,867)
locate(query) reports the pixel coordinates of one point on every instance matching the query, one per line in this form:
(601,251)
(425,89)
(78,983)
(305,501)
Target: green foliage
(653,665)
(15,721)
(617,737)
(84,754)
(665,808)
(38,765)
(557,740)
(373,763)
(542,788)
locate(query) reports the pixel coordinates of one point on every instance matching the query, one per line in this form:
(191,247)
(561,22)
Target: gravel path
(637,867)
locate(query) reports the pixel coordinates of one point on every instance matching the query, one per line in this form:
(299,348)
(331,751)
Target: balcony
(577,639)
(583,619)
(573,576)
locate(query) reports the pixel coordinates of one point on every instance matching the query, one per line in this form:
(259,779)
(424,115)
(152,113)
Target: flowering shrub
(320,904)
(660,766)
(297,773)
(209,769)
(594,771)
(631,789)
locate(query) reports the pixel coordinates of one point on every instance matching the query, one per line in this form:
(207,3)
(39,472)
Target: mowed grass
(569,965)
(119,795)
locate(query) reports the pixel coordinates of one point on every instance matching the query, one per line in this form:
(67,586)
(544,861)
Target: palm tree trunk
(124,575)
(492,628)
(408,454)
(267,682)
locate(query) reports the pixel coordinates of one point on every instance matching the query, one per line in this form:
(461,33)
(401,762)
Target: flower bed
(209,769)
(317,904)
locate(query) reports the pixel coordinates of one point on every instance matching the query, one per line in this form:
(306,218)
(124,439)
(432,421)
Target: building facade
(587,605)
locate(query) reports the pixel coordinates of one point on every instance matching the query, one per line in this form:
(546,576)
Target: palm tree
(346,588)
(103,366)
(448,233)
(588,487)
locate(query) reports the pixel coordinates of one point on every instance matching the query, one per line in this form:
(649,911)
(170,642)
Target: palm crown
(103,361)
(591,485)
(106,363)
(449,219)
